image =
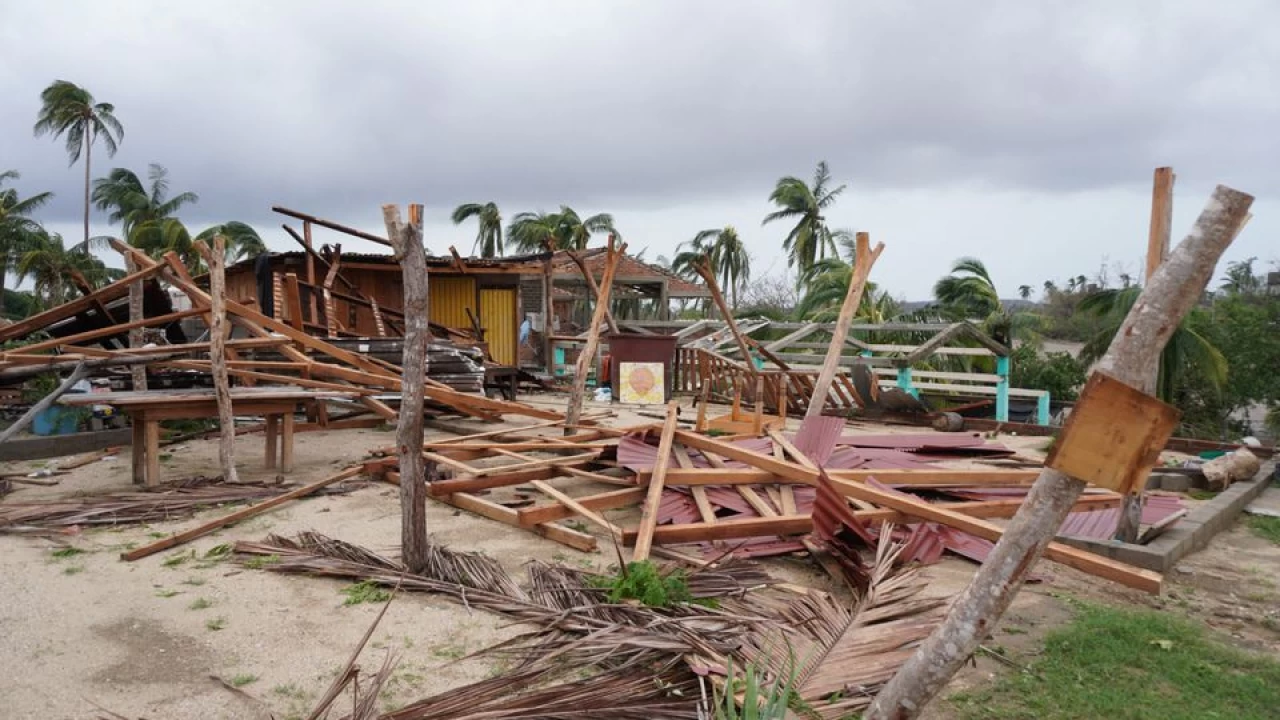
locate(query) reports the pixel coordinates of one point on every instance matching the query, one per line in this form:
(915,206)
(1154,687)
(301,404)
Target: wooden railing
(723,379)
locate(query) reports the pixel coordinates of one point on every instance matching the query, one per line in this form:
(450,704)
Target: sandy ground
(145,638)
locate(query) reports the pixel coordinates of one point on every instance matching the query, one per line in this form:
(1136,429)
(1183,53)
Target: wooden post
(311,271)
(1157,249)
(703,268)
(1132,358)
(594,289)
(407,241)
(548,307)
(136,315)
(218,360)
(657,479)
(330,310)
(864,258)
(593,340)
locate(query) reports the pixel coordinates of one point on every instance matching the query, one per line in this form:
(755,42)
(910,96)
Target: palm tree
(1240,279)
(1024,292)
(146,212)
(68,109)
(565,230)
(489,230)
(826,284)
(968,291)
(17,229)
(1186,350)
(49,264)
(243,241)
(724,250)
(810,239)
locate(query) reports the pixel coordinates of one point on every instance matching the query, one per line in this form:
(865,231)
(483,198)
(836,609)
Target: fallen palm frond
(618,695)
(366,701)
(839,656)
(169,502)
(647,657)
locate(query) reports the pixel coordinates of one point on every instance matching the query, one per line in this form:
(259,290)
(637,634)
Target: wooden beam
(241,514)
(587,355)
(470,483)
(109,331)
(864,259)
(115,290)
(330,224)
(602,501)
(653,499)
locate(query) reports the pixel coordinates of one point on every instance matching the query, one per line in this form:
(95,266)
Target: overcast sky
(1024,133)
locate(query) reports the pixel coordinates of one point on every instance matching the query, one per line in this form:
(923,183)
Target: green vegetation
(73,570)
(1265,527)
(215,624)
(760,701)
(260,561)
(645,583)
(66,552)
(809,240)
(565,230)
(243,679)
(365,591)
(200,604)
(725,254)
(179,558)
(1122,663)
(166,593)
(489,227)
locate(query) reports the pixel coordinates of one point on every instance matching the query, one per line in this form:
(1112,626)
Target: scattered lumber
(242,514)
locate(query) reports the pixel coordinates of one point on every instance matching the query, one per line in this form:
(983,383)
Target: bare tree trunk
(594,289)
(1133,355)
(136,335)
(593,339)
(88,149)
(407,241)
(863,260)
(218,358)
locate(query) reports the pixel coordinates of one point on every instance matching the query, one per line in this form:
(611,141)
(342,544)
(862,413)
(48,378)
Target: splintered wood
(702,496)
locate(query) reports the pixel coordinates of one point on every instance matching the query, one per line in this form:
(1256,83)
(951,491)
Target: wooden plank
(108,331)
(603,501)
(943,477)
(700,499)
(293,301)
(587,356)
(1113,436)
(788,470)
(115,290)
(468,483)
(577,507)
(649,516)
(865,258)
(508,516)
(241,514)
(737,528)
(1084,561)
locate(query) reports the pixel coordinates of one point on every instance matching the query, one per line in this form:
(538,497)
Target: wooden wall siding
(498,317)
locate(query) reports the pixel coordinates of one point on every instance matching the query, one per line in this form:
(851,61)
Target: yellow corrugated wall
(498,318)
(450,298)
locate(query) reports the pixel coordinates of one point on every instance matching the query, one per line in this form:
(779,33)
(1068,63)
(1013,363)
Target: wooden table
(146,409)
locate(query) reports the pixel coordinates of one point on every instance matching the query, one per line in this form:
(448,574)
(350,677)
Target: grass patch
(215,624)
(1265,527)
(194,581)
(166,593)
(365,592)
(243,679)
(180,558)
(66,552)
(645,583)
(73,570)
(200,604)
(157,534)
(1196,494)
(1120,663)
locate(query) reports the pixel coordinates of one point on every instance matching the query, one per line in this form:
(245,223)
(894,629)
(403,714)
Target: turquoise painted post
(1002,389)
(904,381)
(1042,409)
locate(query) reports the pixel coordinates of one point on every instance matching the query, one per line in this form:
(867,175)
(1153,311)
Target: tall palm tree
(17,228)
(1024,292)
(1186,350)
(49,264)
(489,230)
(243,241)
(530,231)
(70,110)
(810,239)
(146,212)
(724,250)
(826,285)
